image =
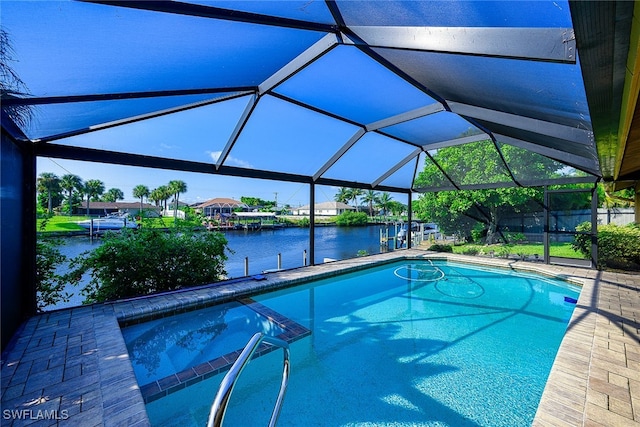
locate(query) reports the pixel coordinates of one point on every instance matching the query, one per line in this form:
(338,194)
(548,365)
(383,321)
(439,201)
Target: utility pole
(276,193)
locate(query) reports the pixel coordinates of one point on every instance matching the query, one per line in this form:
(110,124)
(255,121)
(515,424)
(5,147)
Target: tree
(346,195)
(355,193)
(473,164)
(343,195)
(176,187)
(70,182)
(93,188)
(140,192)
(258,202)
(370,197)
(49,284)
(396,207)
(156,196)
(619,199)
(113,195)
(164,193)
(384,202)
(132,263)
(49,183)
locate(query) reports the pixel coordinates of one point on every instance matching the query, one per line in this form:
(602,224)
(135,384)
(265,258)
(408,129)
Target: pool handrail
(220,402)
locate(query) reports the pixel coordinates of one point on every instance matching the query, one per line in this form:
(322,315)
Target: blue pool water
(397,345)
(162,347)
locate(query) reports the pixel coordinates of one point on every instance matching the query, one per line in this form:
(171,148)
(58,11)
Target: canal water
(262,247)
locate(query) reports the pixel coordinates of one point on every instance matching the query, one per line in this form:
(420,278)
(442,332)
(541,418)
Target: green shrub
(138,262)
(471,250)
(503,251)
(479,232)
(516,238)
(305,222)
(441,248)
(582,242)
(352,218)
(617,246)
(49,284)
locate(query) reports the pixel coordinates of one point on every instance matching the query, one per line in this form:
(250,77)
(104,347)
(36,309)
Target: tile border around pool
(292,331)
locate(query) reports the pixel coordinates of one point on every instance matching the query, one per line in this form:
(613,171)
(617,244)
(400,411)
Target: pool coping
(73,363)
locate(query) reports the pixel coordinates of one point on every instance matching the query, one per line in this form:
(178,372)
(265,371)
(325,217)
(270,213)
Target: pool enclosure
(361,94)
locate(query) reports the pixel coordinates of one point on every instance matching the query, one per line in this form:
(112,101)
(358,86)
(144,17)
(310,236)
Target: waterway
(261,248)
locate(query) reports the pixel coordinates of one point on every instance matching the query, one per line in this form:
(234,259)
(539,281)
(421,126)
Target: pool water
(401,344)
(168,345)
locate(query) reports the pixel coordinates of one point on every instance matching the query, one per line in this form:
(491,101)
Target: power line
(60,166)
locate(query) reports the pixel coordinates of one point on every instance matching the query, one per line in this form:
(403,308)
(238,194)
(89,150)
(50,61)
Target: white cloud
(230,161)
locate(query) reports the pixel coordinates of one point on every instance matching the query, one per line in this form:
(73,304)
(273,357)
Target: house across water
(324,209)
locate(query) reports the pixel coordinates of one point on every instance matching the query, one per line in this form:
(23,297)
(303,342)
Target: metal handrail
(219,406)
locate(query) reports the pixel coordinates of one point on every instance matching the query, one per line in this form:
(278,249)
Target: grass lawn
(69,223)
(61,223)
(555,249)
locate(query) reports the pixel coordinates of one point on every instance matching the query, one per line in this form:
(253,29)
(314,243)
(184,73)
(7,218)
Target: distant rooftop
(221,202)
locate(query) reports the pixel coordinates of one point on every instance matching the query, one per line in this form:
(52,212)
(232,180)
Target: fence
(170,213)
(531,224)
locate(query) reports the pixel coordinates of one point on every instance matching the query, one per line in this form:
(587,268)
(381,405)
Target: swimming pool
(406,343)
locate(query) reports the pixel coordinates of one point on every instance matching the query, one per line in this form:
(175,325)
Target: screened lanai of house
(360,94)
(357,93)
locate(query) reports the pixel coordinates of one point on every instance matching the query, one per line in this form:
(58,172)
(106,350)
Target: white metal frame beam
(573,134)
(413,155)
(405,117)
(354,138)
(536,44)
(315,51)
(569,159)
(457,141)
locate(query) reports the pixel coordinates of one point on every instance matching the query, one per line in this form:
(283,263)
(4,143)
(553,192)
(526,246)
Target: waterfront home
(218,206)
(324,209)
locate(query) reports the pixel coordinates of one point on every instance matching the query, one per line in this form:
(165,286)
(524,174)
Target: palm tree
(70,182)
(50,183)
(92,188)
(156,196)
(141,191)
(355,193)
(164,193)
(113,195)
(177,187)
(343,195)
(370,197)
(385,202)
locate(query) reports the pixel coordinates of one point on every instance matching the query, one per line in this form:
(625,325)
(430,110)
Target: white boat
(114,221)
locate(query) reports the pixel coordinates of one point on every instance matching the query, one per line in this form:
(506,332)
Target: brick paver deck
(71,367)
